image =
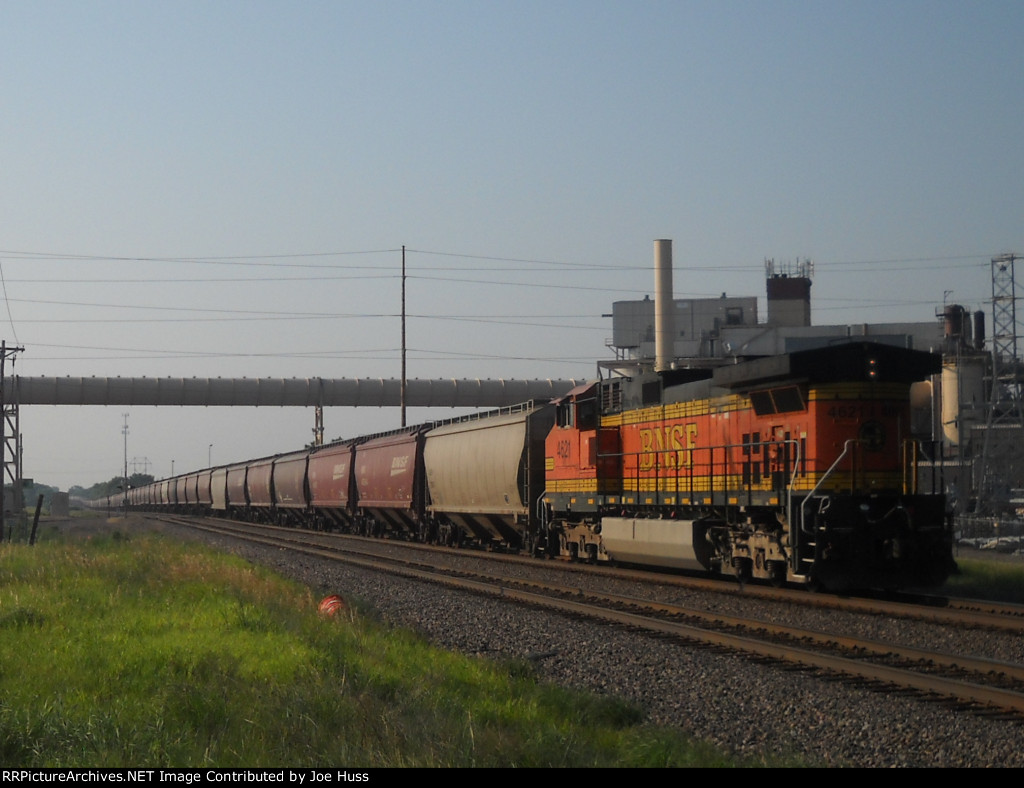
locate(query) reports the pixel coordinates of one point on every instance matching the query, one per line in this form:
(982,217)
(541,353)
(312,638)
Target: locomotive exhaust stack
(664,307)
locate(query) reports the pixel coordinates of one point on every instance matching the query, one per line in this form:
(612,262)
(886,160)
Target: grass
(136,651)
(993,580)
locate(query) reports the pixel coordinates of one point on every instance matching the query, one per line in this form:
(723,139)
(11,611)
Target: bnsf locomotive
(792,468)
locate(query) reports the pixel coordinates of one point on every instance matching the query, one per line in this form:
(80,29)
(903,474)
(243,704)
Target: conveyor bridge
(283,392)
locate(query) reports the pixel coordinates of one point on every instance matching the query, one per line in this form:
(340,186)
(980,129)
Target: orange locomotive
(795,468)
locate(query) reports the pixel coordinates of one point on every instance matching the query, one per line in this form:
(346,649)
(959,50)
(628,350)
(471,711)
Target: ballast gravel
(751,710)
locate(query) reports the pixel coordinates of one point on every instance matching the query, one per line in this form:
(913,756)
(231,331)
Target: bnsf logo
(667,447)
(399,464)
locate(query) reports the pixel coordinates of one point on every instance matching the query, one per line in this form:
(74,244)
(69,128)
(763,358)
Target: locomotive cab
(581,473)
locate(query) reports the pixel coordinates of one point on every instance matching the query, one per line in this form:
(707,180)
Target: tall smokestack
(664,307)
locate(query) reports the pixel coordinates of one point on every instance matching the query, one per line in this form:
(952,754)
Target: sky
(224,188)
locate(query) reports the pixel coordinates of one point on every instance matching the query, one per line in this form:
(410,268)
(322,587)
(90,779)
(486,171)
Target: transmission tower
(1002,458)
(10,437)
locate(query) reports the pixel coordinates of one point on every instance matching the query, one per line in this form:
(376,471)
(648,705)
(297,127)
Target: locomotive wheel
(743,568)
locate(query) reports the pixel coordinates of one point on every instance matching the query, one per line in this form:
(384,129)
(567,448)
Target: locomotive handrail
(685,471)
(792,479)
(821,481)
(910,451)
(541,510)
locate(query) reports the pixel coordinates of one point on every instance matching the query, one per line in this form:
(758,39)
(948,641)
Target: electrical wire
(424,273)
(7,303)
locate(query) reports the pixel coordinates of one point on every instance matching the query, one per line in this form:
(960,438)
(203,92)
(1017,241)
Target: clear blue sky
(222,188)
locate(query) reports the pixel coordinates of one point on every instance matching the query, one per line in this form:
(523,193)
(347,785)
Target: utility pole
(124,431)
(403,335)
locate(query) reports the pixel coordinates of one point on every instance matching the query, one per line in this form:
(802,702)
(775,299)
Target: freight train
(797,468)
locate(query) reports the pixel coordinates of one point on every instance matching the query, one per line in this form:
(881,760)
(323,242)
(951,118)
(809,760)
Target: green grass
(993,580)
(130,652)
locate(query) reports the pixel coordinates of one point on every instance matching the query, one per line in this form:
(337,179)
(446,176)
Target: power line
(205,280)
(533,267)
(203,260)
(7,302)
(267,260)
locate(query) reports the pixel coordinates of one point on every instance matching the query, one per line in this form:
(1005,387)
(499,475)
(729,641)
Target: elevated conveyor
(281,392)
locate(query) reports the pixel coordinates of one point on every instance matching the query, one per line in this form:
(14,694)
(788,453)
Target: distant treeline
(112,487)
(99,490)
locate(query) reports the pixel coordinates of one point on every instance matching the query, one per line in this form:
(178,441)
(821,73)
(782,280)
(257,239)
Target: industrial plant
(968,421)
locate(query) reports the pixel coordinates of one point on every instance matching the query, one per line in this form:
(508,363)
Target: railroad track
(981,685)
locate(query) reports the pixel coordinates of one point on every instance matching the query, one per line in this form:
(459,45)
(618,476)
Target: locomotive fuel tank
(669,543)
